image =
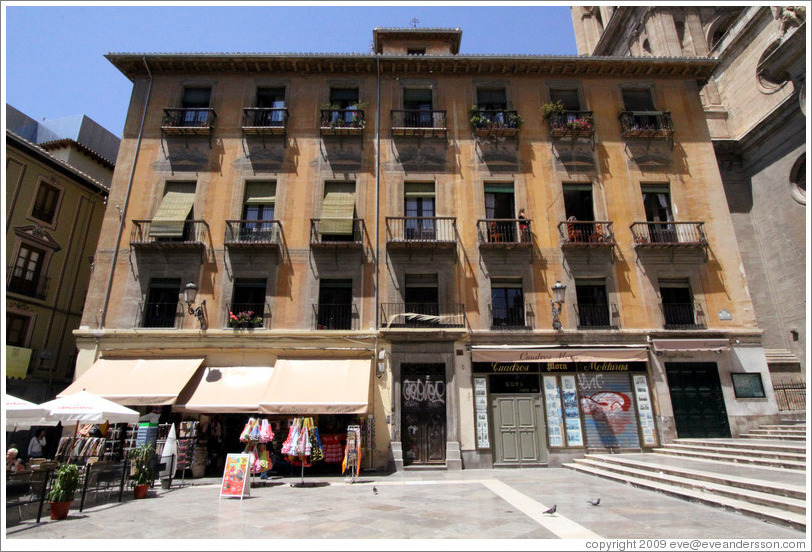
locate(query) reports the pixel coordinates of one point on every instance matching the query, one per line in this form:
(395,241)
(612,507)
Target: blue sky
(55,67)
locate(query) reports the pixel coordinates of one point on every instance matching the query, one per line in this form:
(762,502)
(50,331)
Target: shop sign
(235,476)
(556,367)
(481,409)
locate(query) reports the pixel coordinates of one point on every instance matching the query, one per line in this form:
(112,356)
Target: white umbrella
(22,414)
(87,408)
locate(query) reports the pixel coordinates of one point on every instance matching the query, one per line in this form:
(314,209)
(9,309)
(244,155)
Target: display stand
(352,454)
(235,476)
(303,483)
(302,443)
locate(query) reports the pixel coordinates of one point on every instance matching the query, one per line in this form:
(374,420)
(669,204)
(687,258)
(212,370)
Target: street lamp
(557,302)
(189,296)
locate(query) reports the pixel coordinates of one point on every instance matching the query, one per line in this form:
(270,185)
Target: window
(17,329)
(593,304)
(161,307)
(747,385)
(338,212)
(499,204)
(578,208)
(569,97)
(272,100)
(334,311)
(491,98)
(171,220)
(421,298)
(258,212)
(657,203)
(26,278)
(419,211)
(46,203)
(418,103)
(507,303)
(249,298)
(343,99)
(679,312)
(638,99)
(196,101)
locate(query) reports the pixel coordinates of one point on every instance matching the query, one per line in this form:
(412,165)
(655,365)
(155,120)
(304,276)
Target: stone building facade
(754,103)
(504,268)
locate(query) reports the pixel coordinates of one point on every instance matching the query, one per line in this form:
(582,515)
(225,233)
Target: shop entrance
(423,396)
(696,397)
(517,420)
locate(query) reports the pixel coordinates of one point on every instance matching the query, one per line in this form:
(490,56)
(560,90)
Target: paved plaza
(471,504)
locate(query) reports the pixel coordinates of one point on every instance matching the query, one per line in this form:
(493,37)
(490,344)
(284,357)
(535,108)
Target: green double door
(697,400)
(518,427)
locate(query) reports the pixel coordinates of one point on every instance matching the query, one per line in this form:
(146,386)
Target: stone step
(798,426)
(734,458)
(773,445)
(784,437)
(698,471)
(752,452)
(766,513)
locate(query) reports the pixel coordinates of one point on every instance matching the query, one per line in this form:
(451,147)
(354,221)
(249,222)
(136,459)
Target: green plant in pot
(141,474)
(63,489)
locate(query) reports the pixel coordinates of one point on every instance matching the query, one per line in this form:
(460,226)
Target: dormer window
(416,51)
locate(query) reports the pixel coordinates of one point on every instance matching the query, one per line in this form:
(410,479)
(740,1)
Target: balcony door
(258,212)
(421,298)
(500,204)
(419,203)
(196,100)
(678,305)
(657,203)
(418,102)
(507,303)
(593,305)
(273,98)
(334,310)
(344,99)
(161,308)
(423,413)
(249,297)
(494,102)
(28,268)
(578,206)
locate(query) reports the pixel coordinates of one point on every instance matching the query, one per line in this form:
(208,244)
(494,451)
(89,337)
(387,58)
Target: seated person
(11,458)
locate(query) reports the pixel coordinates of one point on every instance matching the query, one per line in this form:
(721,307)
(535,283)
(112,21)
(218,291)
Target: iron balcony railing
(248,315)
(586,232)
(335,317)
(252,232)
(320,233)
(342,121)
(595,317)
(160,315)
(188,119)
(504,317)
(422,122)
(686,234)
(498,121)
(417,230)
(646,124)
(504,231)
(194,233)
(683,316)
(422,315)
(790,395)
(27,282)
(264,119)
(570,123)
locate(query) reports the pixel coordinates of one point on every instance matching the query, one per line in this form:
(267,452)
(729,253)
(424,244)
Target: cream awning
(631,354)
(171,215)
(684,345)
(318,387)
(236,389)
(136,382)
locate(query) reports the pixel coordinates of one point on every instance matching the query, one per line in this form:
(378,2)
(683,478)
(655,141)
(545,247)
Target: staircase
(762,474)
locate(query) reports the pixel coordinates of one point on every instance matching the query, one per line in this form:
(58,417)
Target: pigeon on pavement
(551,510)
(595,502)
(375,489)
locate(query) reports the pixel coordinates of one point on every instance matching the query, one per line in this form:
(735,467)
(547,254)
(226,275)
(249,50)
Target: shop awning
(686,345)
(318,387)
(136,382)
(227,390)
(560,354)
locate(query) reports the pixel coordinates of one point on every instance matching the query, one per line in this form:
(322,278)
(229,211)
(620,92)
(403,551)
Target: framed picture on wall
(747,386)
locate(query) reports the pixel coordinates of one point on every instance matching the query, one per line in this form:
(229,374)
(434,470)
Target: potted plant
(478,118)
(63,488)
(553,107)
(244,319)
(141,473)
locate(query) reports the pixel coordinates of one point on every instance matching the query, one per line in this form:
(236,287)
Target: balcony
(342,122)
(160,315)
(669,234)
(248,315)
(321,237)
(509,318)
(571,124)
(495,122)
(194,236)
(253,234)
(335,317)
(646,124)
(421,232)
(504,233)
(595,317)
(426,123)
(271,121)
(188,121)
(27,282)
(586,233)
(683,316)
(422,315)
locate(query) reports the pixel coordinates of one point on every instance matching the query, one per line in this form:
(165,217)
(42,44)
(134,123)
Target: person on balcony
(523,227)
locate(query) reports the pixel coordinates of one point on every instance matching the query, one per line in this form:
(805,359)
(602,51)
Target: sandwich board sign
(235,476)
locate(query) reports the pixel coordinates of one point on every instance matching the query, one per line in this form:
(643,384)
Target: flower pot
(59,510)
(140,491)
